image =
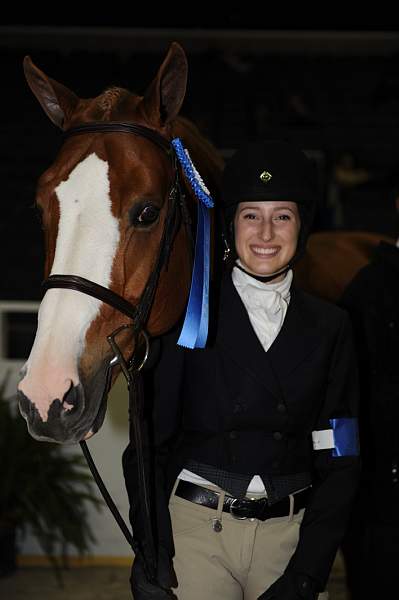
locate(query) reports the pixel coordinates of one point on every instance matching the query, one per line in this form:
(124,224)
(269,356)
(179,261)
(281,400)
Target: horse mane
(116,99)
(203,153)
(119,103)
(111,99)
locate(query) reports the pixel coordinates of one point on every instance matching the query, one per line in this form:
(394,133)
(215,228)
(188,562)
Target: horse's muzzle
(66,421)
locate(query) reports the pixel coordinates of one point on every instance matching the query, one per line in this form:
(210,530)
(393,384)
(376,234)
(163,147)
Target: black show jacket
(239,408)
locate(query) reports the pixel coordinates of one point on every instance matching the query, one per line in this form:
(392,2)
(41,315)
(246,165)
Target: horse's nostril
(25,406)
(71,398)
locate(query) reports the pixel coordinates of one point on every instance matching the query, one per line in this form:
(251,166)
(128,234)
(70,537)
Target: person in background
(371,545)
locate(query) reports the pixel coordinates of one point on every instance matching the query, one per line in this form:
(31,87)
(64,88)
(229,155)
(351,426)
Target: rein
(138,314)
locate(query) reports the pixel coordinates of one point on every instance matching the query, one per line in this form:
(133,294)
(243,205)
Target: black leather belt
(242,508)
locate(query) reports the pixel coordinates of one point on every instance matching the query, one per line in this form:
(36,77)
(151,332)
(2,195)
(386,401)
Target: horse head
(105,203)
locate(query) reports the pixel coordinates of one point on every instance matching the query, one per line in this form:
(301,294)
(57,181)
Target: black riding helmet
(270,170)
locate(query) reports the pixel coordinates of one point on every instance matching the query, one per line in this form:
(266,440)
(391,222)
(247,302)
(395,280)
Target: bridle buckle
(128,367)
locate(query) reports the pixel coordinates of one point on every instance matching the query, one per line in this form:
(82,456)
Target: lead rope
(134,382)
(101,485)
(136,396)
(108,499)
(138,424)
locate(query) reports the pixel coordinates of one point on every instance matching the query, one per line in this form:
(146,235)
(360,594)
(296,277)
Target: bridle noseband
(176,211)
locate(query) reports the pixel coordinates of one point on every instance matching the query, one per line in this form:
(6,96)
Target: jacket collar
(298,337)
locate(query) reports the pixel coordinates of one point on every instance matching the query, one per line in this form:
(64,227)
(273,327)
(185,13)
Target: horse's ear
(164,96)
(57,101)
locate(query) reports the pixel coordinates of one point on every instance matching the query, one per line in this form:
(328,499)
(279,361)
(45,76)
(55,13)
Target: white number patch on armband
(342,439)
(323,440)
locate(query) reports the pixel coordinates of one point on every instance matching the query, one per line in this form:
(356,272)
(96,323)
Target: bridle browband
(176,211)
(121,127)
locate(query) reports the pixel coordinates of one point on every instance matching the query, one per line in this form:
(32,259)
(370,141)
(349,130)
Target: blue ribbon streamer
(189,336)
(194,332)
(346,437)
(203,327)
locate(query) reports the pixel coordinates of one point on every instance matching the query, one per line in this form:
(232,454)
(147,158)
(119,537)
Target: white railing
(9,367)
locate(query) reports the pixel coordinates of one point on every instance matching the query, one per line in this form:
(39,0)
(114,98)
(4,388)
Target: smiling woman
(266,235)
(256,453)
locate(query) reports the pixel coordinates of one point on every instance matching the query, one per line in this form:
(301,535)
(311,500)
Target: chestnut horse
(104,203)
(333,258)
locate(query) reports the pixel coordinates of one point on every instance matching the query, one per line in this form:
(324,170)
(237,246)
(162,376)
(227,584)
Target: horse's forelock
(111,99)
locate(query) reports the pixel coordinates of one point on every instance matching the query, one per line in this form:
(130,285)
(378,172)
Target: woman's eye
(145,216)
(283,217)
(250,216)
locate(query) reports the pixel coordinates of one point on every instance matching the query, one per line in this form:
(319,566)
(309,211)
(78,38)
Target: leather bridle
(176,212)
(138,313)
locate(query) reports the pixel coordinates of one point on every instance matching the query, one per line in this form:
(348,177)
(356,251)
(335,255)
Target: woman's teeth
(265,251)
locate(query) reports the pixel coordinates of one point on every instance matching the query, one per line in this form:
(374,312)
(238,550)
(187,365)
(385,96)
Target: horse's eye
(146,215)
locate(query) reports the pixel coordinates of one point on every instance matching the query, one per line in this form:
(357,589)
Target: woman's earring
(227,250)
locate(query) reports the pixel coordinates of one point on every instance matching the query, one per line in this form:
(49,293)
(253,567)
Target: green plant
(43,488)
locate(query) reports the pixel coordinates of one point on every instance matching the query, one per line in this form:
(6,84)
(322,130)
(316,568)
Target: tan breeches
(239,562)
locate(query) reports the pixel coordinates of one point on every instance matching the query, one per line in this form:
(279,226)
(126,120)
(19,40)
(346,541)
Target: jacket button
(233,435)
(281,407)
(304,585)
(278,435)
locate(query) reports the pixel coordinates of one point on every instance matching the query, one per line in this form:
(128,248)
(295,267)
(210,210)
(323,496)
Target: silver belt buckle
(232,513)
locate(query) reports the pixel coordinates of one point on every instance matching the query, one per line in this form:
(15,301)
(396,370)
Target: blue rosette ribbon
(194,332)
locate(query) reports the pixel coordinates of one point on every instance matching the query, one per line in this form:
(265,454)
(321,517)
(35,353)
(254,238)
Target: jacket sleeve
(163,408)
(335,477)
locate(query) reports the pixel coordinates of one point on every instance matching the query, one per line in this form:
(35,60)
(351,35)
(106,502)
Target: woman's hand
(143,589)
(291,586)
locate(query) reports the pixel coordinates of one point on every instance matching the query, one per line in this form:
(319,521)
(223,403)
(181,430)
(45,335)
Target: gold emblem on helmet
(265,176)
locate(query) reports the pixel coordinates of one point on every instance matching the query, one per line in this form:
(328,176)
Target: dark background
(334,90)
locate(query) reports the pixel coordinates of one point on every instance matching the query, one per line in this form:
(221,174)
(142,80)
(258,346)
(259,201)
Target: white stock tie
(266,303)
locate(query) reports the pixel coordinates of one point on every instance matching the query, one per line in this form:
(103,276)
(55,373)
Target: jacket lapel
(298,337)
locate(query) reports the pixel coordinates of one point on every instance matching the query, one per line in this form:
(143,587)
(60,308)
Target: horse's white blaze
(88,236)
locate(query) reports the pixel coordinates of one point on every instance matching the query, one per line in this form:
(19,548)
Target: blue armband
(342,438)
(346,437)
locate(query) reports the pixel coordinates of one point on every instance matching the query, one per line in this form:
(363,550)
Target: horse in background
(333,258)
(105,202)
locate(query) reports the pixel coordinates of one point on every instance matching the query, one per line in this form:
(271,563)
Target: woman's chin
(261,269)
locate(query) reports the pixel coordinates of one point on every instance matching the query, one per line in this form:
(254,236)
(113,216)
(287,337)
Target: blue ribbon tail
(346,437)
(194,332)
(203,326)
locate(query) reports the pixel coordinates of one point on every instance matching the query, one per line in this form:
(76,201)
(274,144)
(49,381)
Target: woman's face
(266,235)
